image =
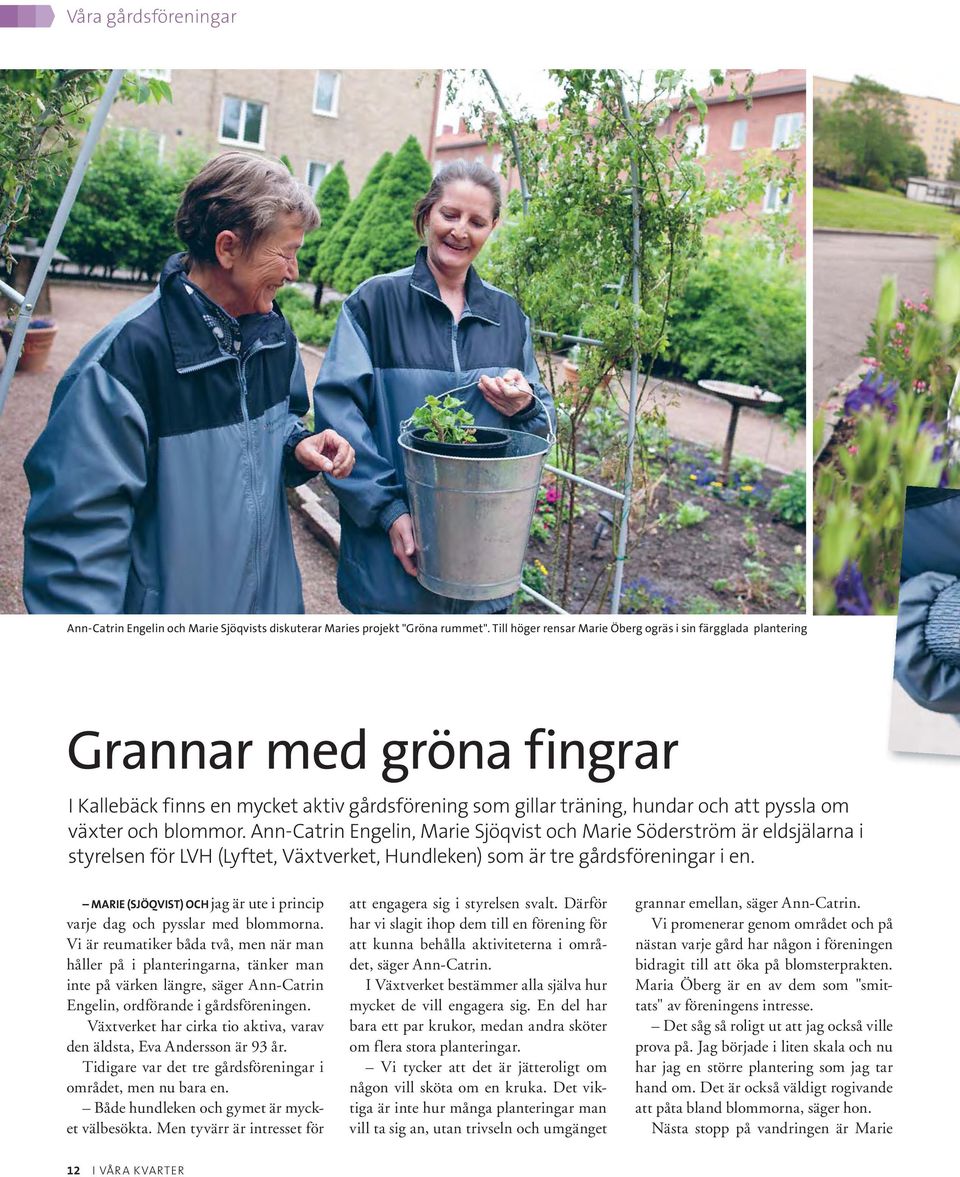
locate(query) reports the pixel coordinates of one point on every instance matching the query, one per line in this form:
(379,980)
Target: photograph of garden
(886,325)
(651,231)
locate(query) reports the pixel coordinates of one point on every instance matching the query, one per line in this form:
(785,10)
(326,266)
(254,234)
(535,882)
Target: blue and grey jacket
(157,483)
(396,341)
(927,663)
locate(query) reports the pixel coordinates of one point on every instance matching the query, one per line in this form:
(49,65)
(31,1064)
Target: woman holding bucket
(424,330)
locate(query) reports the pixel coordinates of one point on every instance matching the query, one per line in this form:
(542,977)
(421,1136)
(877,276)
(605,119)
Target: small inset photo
(925,715)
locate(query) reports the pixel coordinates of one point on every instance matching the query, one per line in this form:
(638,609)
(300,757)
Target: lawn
(880,212)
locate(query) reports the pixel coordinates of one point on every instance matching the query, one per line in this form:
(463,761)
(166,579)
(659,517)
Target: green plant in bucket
(444,419)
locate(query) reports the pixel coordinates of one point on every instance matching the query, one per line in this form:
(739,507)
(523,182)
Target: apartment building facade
(936,123)
(463,143)
(772,119)
(313,117)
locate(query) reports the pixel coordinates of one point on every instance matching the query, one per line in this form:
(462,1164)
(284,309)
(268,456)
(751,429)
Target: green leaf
(819,424)
(886,305)
(946,288)
(838,537)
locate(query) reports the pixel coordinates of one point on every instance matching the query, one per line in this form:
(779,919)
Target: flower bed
(696,546)
(896,429)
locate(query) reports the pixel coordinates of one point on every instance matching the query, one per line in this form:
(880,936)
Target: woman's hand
(508,394)
(326,452)
(403,543)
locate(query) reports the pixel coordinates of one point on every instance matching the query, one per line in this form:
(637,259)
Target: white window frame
(317,163)
(334,110)
(244,102)
(773,202)
(697,137)
(786,131)
(739,142)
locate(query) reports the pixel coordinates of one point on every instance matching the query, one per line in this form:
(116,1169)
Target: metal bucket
(471,516)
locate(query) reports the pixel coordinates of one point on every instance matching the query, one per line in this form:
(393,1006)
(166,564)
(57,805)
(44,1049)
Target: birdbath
(26,257)
(736,396)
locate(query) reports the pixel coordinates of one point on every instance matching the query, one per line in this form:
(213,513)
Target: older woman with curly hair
(157,485)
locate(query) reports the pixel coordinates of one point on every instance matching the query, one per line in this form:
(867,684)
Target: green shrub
(742,317)
(290,299)
(385,238)
(789,501)
(123,215)
(316,329)
(309,326)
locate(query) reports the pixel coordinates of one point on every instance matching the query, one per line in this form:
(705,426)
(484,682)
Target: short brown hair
(460,169)
(242,193)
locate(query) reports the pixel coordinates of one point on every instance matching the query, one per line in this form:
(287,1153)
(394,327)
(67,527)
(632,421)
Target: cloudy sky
(530,87)
(919,76)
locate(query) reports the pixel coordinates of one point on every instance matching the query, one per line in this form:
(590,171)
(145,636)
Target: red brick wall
(761,118)
(469,145)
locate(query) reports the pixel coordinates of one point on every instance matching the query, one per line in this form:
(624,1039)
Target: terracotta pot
(571,374)
(36,347)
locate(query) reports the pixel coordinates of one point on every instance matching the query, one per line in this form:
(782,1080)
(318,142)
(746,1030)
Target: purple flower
(852,598)
(871,393)
(643,596)
(937,432)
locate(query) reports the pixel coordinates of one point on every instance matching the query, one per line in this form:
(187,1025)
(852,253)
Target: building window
(786,131)
(696,136)
(315,173)
(243,122)
(326,92)
(738,137)
(774,199)
(497,162)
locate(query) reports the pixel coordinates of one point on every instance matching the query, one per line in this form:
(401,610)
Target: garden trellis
(624,496)
(609,186)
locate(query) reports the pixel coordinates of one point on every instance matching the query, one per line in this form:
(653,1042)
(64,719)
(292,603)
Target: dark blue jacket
(927,663)
(395,342)
(157,484)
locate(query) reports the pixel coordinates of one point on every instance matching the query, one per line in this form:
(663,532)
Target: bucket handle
(551,435)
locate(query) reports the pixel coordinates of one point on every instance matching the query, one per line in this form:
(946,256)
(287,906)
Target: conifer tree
(332,198)
(334,245)
(385,239)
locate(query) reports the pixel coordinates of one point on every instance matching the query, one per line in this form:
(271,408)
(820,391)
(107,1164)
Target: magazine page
(308,936)
(420,743)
